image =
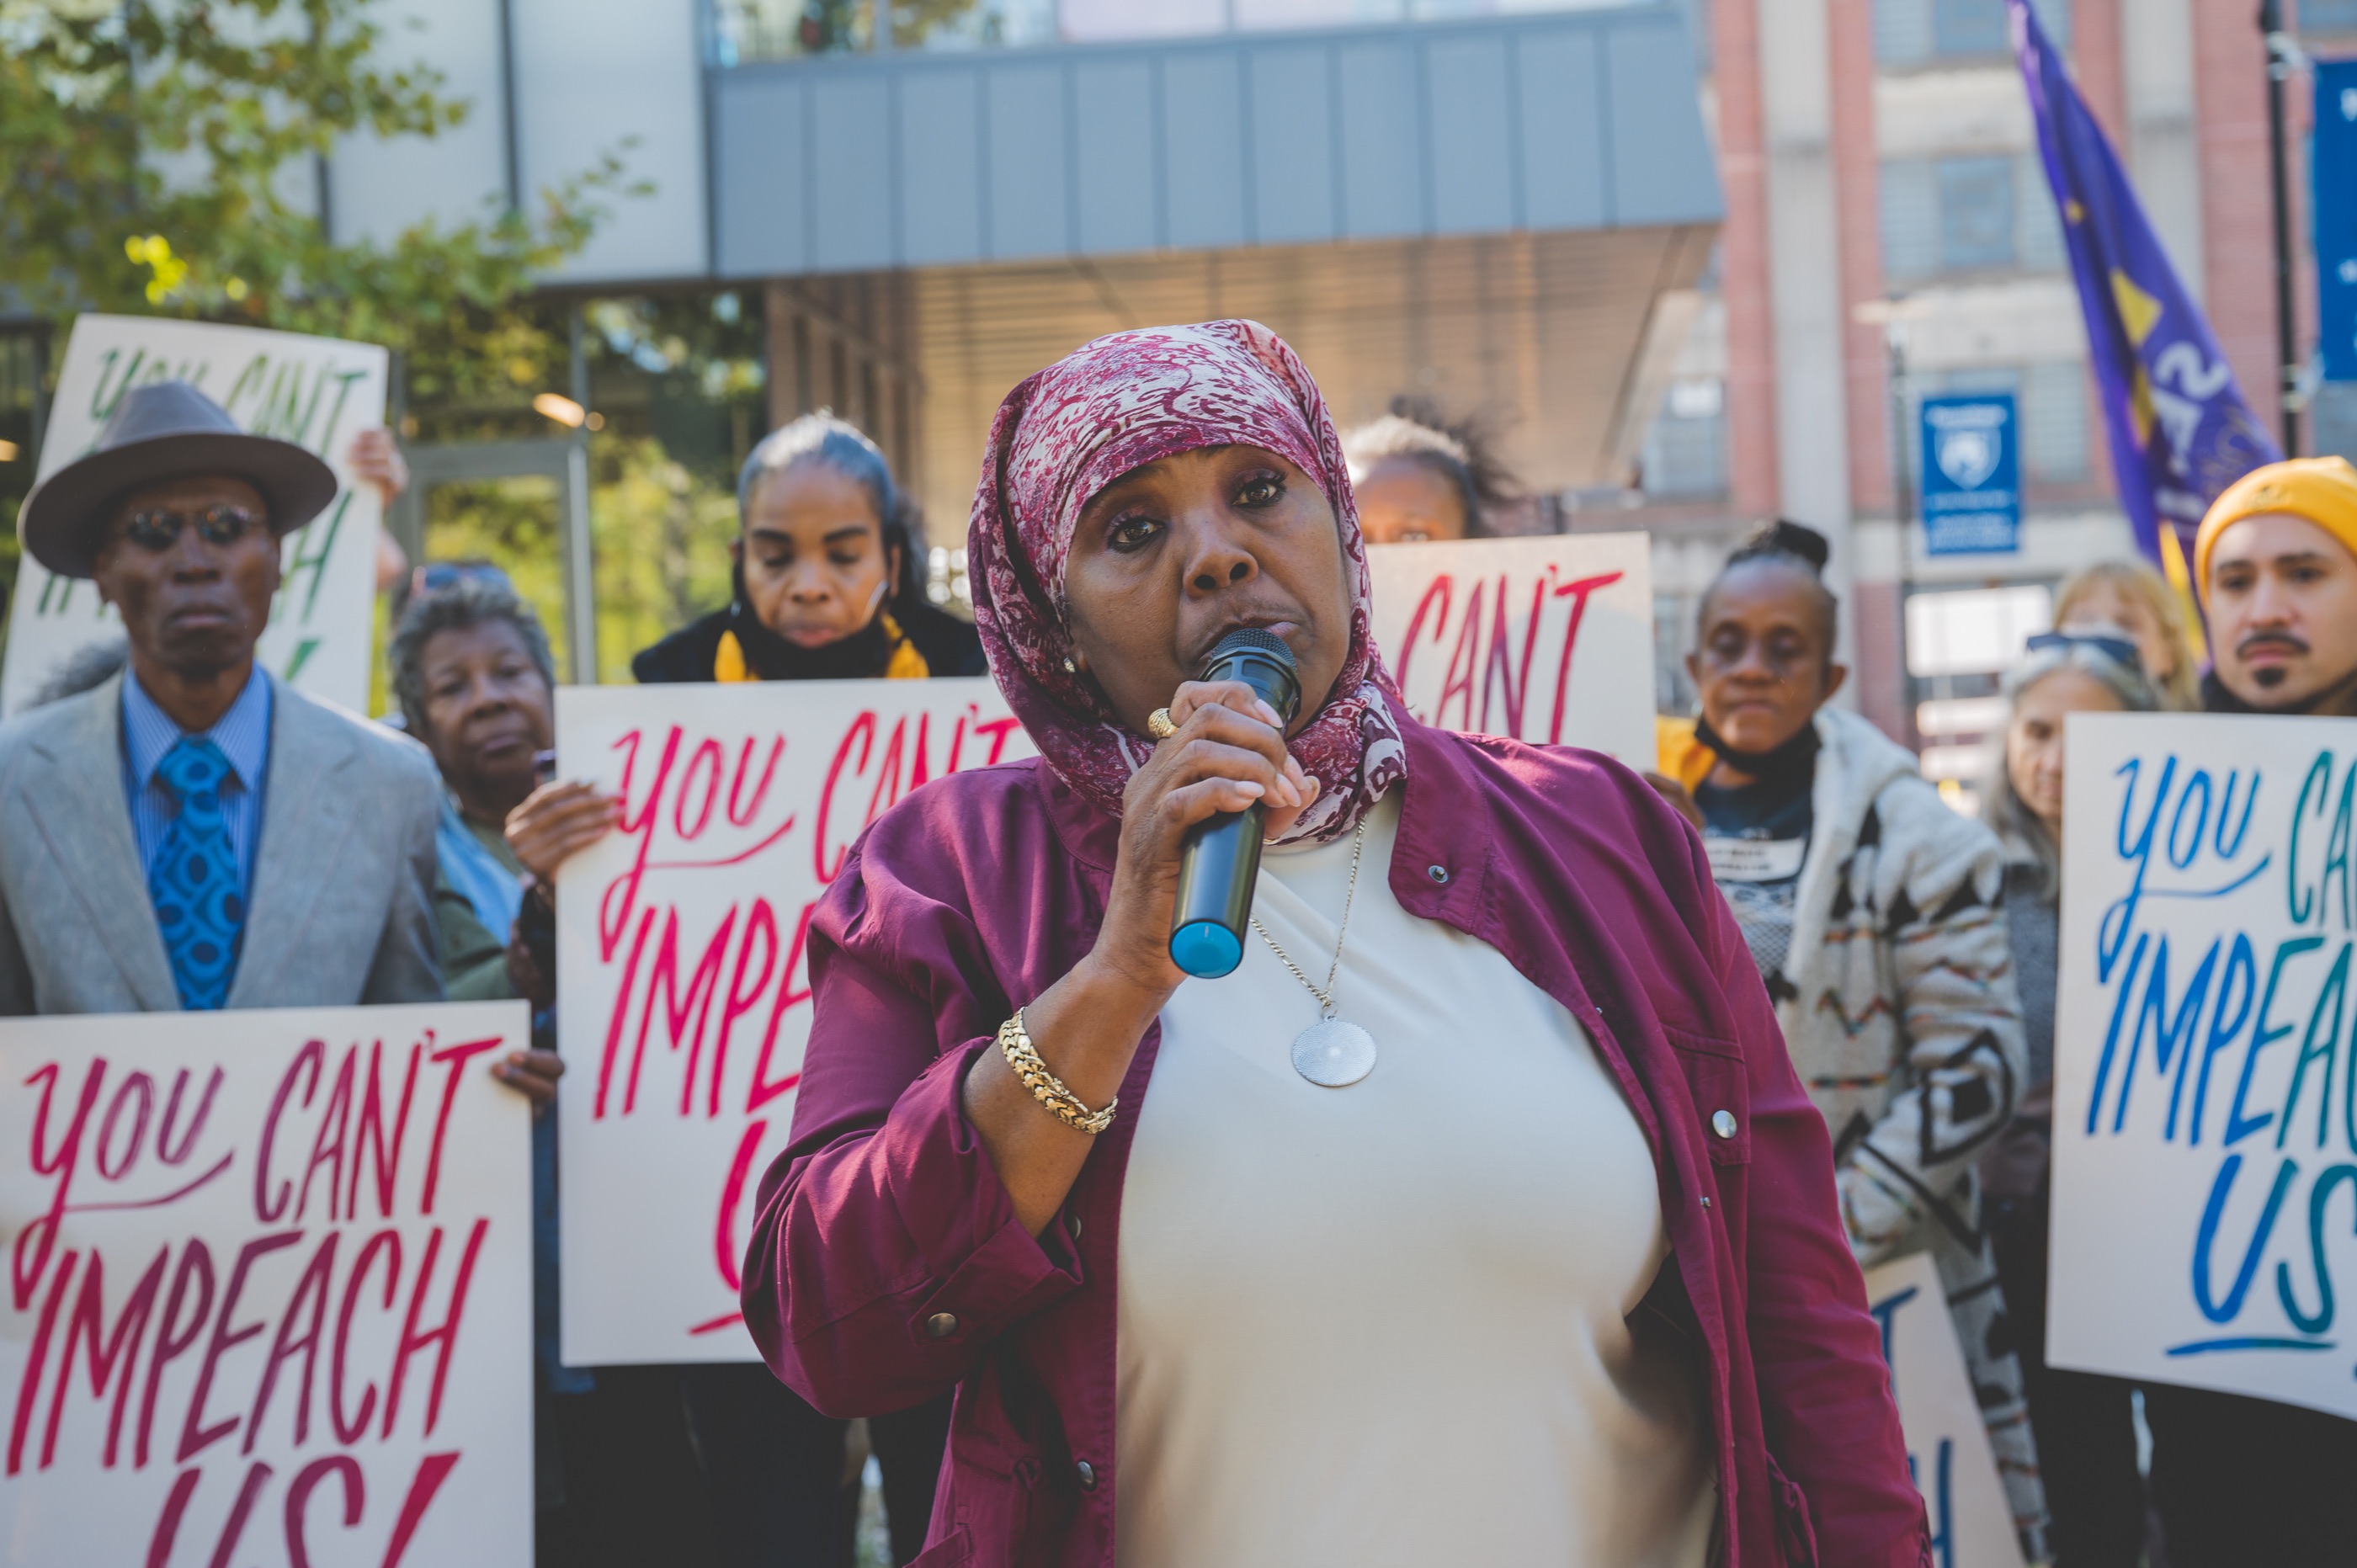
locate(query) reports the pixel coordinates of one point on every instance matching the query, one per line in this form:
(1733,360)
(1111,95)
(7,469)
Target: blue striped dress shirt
(243,735)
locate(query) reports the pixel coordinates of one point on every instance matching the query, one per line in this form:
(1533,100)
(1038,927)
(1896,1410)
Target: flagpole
(1889,316)
(1894,340)
(2283,53)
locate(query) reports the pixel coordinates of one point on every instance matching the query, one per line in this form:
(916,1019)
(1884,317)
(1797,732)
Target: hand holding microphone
(1219,863)
(1226,757)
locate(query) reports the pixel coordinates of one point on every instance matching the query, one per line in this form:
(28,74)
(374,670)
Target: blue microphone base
(1206,949)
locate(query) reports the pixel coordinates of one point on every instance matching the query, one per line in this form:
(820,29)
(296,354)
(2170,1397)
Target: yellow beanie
(2321,489)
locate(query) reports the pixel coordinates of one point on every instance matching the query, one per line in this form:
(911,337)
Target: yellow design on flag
(2139,310)
(2139,313)
(2180,582)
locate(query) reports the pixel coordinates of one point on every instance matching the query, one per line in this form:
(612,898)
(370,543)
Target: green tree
(160,157)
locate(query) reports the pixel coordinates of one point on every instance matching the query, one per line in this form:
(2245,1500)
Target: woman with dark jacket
(828,586)
(1500,1133)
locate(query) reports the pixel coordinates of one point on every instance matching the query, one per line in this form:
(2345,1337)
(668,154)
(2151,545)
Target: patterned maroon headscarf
(1071,429)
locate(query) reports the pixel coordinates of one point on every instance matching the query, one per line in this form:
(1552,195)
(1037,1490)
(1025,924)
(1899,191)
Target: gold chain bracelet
(1014,1041)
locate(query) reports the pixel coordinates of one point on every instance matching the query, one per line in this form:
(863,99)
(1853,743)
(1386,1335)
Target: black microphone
(1221,859)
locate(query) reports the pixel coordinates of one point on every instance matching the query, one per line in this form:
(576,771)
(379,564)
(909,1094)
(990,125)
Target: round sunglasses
(2119,649)
(158,529)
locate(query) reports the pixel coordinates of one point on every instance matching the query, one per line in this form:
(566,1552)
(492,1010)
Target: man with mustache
(191,834)
(2277,565)
(2241,1480)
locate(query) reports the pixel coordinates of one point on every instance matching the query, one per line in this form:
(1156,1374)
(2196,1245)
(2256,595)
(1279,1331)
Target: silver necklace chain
(1325,997)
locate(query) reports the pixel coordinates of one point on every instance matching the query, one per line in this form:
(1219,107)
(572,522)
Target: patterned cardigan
(1898,1003)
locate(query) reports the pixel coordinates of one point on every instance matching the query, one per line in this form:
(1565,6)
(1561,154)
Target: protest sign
(683,988)
(315,392)
(1947,1444)
(1548,639)
(2205,1074)
(269,1291)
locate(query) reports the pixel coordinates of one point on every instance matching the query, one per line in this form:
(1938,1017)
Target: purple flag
(2179,429)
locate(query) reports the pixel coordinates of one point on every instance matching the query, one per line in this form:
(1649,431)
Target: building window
(2039,227)
(1975,214)
(748,30)
(1924,32)
(2336,419)
(1910,218)
(1685,450)
(1963,28)
(2328,15)
(1902,31)
(2050,400)
(1674,691)
(1967,215)
(2054,422)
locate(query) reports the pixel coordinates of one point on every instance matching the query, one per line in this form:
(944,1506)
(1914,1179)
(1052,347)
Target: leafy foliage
(164,158)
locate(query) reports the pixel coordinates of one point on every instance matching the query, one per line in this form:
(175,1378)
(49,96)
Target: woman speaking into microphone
(1547,1269)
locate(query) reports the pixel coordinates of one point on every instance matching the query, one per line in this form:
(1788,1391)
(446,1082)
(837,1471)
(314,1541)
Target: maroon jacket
(887,1265)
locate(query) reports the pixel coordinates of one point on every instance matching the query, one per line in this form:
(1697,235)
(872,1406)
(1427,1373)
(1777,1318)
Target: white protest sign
(269,1291)
(1947,1444)
(2205,1071)
(315,392)
(682,992)
(1548,639)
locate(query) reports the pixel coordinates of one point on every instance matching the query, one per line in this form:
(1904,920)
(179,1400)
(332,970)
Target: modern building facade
(1505,213)
(1880,151)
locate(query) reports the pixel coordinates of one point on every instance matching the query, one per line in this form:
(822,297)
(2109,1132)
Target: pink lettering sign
(1546,640)
(269,1294)
(684,985)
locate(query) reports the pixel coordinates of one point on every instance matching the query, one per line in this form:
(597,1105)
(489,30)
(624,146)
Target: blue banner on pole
(1972,475)
(2336,216)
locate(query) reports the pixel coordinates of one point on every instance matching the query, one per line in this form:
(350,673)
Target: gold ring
(1158,724)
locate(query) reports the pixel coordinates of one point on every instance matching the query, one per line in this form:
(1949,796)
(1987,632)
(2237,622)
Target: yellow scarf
(906,664)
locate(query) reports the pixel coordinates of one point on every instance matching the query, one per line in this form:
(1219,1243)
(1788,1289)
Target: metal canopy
(1544,333)
(1583,120)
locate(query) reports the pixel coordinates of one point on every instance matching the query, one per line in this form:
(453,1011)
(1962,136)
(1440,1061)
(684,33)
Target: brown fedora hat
(168,430)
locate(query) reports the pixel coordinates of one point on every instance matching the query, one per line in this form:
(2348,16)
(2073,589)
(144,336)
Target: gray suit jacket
(342,904)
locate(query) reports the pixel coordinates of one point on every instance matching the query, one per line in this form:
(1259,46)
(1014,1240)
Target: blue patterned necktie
(198,905)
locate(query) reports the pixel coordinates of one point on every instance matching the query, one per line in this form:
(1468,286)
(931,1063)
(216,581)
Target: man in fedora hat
(192,834)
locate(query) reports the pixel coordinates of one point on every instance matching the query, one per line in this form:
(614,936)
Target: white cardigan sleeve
(1938,885)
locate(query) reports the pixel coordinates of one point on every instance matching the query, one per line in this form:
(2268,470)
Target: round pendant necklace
(1331,1053)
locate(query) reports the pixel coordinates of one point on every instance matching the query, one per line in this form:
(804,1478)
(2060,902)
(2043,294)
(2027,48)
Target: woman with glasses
(2085,1427)
(1872,912)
